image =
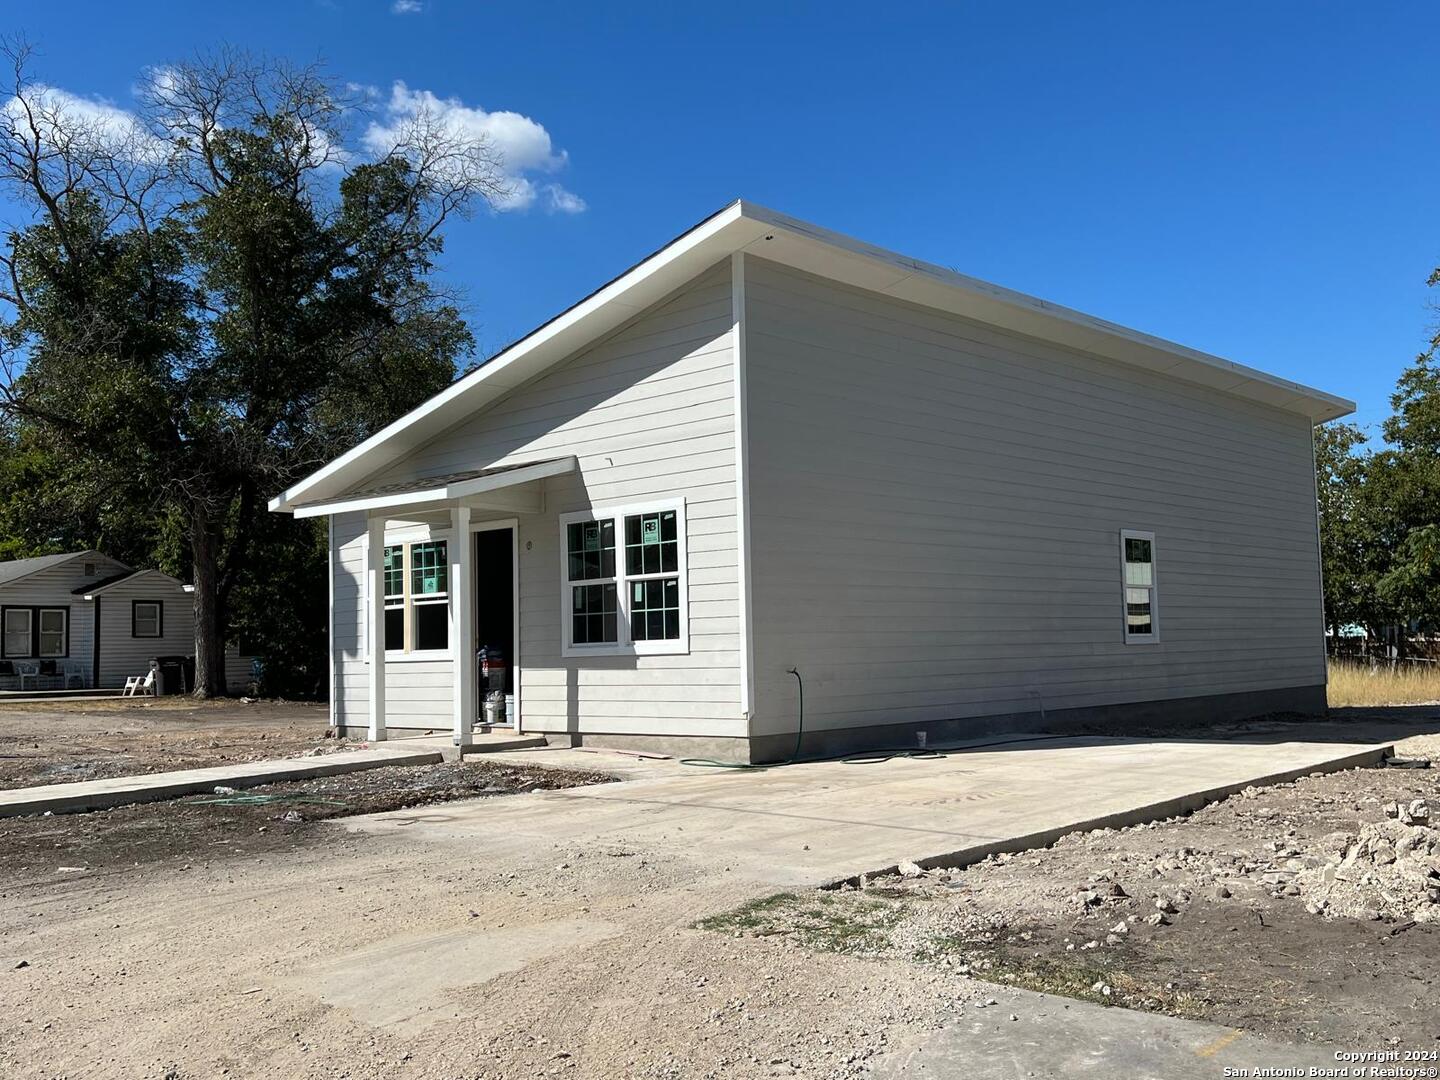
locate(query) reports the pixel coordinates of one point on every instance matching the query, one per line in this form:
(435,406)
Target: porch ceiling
(471,487)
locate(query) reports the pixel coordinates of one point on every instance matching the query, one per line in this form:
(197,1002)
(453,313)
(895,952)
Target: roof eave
(597,314)
(440,494)
(91,594)
(744,226)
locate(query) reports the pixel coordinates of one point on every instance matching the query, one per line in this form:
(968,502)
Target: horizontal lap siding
(54,587)
(936,508)
(121,654)
(649,413)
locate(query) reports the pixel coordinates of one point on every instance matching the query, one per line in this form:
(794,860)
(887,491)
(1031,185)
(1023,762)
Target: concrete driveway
(552,933)
(817,823)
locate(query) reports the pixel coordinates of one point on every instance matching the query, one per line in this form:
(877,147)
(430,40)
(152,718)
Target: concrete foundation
(679,746)
(1172,715)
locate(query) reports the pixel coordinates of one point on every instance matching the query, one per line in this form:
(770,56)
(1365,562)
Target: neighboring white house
(89,621)
(770,453)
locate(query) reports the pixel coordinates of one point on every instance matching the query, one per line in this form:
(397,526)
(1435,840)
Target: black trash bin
(170,675)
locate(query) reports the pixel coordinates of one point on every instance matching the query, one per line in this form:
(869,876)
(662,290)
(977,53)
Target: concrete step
(495,743)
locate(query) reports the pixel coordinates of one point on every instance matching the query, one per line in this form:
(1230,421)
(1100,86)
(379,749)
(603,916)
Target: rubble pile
(1390,870)
(1385,869)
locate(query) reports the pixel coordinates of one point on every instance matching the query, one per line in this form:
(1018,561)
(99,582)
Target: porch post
(375,622)
(462,623)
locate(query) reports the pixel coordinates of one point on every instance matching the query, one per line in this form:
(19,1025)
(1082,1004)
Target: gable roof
(22,568)
(89,592)
(746,227)
(104,583)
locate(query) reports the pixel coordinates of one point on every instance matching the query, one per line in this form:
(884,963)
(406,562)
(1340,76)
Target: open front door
(496,621)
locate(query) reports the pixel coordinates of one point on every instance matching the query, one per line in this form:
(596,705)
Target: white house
(83,620)
(769,453)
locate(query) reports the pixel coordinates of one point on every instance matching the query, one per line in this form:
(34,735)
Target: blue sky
(1255,180)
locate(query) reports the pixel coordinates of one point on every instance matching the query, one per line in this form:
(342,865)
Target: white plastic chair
(144,684)
(29,673)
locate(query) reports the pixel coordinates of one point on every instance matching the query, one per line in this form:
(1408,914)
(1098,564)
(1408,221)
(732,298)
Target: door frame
(513,524)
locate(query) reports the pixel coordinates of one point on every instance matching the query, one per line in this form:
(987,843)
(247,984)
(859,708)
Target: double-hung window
(623,573)
(146,619)
(430,594)
(394,576)
(416,579)
(1137,583)
(51,637)
(34,632)
(18,622)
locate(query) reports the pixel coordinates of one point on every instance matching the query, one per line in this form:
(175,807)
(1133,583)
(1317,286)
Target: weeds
(1360,684)
(751,915)
(824,921)
(881,922)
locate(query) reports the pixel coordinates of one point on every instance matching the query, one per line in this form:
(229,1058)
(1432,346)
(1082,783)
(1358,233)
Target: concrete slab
(411,981)
(40,697)
(117,791)
(1054,1038)
(813,824)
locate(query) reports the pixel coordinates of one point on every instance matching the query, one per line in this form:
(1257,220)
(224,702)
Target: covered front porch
(441,583)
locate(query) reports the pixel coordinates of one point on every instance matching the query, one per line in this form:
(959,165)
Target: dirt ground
(220,967)
(273,818)
(1284,910)
(57,742)
(226,957)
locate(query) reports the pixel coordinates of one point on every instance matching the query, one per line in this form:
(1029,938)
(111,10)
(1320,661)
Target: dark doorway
(495,600)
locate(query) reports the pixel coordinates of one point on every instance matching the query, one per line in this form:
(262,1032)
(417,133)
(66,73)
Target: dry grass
(1404,684)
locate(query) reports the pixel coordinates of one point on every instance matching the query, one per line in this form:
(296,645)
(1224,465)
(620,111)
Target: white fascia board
(442,494)
(596,315)
(744,226)
(821,251)
(135,577)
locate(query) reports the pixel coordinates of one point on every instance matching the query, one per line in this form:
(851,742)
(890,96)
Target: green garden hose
(261,800)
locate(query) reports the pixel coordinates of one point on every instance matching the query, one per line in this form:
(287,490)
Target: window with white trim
(416,579)
(1137,568)
(394,577)
(623,571)
(16,632)
(430,595)
(51,637)
(28,632)
(145,619)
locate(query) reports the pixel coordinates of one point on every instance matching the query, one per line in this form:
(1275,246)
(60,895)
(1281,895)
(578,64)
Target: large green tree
(209,299)
(1346,528)
(1380,510)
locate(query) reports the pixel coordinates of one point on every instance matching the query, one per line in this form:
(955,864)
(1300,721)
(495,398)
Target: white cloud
(406,7)
(59,115)
(524,151)
(560,201)
(523,146)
